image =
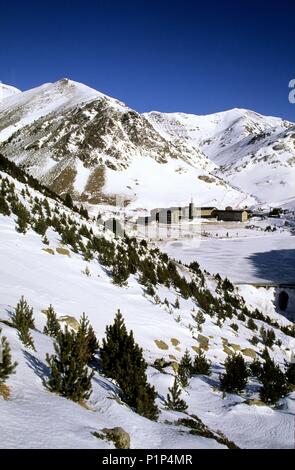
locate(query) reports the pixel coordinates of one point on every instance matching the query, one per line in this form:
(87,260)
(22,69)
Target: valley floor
(242,257)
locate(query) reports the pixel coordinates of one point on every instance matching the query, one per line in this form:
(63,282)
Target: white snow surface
(252,152)
(243,255)
(36,418)
(48,98)
(7,90)
(244,151)
(149,184)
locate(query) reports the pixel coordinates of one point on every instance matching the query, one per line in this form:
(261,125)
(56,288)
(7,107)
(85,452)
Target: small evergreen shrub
(201,366)
(52,327)
(173,401)
(236,374)
(184,372)
(7,367)
(122,360)
(69,375)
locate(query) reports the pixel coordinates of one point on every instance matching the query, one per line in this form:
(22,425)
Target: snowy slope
(148,184)
(6,91)
(78,140)
(25,108)
(253,152)
(34,417)
(216,133)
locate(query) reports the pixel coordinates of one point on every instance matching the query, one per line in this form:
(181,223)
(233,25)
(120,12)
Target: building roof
(232,210)
(206,208)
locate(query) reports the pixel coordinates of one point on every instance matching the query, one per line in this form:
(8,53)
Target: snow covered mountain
(52,270)
(78,140)
(252,152)
(7,90)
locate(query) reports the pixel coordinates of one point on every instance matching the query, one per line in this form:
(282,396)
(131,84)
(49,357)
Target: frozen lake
(267,258)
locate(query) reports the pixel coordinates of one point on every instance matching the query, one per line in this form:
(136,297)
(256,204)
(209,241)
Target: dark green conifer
(200,319)
(265,354)
(274,382)
(4,207)
(52,327)
(45,240)
(268,337)
(68,201)
(184,371)
(120,272)
(201,365)
(23,321)
(236,374)
(23,314)
(122,360)
(69,374)
(7,367)
(86,335)
(256,368)
(40,226)
(173,401)
(290,373)
(251,324)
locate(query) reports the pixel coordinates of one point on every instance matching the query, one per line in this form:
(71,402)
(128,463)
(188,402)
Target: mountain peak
(7,90)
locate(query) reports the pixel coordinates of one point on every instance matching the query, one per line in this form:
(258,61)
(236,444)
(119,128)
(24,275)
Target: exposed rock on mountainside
(78,140)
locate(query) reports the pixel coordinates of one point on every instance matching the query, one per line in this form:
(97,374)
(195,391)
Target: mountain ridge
(75,139)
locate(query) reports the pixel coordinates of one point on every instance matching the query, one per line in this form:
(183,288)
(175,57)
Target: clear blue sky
(190,56)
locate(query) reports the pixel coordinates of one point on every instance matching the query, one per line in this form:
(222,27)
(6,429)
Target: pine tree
(256,368)
(52,327)
(254,340)
(268,336)
(251,324)
(7,367)
(23,314)
(69,236)
(86,335)
(173,401)
(176,305)
(265,354)
(26,337)
(200,319)
(40,226)
(45,240)
(4,207)
(290,373)
(234,326)
(122,360)
(227,285)
(120,272)
(23,217)
(68,201)
(201,366)
(236,374)
(23,321)
(69,374)
(184,371)
(274,382)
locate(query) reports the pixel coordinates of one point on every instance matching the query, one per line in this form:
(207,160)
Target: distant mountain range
(78,140)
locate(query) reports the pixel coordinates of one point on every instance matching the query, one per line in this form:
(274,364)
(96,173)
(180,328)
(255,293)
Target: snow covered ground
(33,417)
(7,90)
(149,184)
(252,152)
(244,255)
